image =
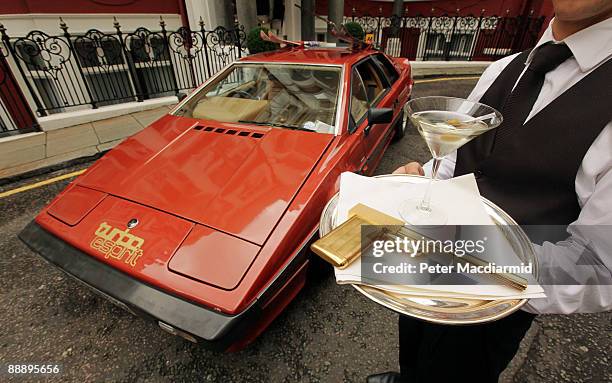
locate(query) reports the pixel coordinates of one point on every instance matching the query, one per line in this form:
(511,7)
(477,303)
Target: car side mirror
(378,116)
(181,96)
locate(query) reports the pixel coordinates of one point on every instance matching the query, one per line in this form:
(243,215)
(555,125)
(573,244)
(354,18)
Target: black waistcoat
(531,173)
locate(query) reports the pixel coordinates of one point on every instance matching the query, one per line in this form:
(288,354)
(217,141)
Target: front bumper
(213,329)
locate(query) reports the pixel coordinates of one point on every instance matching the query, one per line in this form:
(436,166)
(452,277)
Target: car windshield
(291,96)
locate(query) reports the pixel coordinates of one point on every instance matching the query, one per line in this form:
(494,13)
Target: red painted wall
(13,98)
(90,6)
(466,7)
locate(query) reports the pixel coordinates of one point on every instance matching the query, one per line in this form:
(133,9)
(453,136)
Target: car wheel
(318,269)
(400,127)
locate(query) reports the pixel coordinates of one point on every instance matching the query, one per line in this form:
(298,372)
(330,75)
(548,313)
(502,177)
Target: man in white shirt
(545,167)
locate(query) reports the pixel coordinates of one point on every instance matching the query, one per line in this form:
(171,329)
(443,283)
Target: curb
(422,69)
(50,168)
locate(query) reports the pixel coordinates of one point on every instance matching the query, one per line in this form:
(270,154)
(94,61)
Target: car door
(366,77)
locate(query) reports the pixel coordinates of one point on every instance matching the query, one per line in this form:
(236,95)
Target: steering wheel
(242,94)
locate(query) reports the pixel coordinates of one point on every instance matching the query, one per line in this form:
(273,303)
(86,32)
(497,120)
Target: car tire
(400,127)
(318,269)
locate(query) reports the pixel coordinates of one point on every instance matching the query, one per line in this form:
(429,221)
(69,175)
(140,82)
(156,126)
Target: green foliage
(256,45)
(355,30)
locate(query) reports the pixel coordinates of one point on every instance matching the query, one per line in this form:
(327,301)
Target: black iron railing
(97,68)
(450,37)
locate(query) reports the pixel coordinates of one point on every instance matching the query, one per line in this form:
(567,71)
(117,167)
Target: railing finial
(116,23)
(2,29)
(63,25)
(201,22)
(162,23)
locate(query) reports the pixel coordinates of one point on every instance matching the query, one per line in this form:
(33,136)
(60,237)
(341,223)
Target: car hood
(234,180)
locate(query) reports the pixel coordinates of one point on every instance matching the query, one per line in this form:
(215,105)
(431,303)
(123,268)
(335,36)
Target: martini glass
(446,124)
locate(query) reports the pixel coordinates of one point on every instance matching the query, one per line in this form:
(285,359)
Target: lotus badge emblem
(133,223)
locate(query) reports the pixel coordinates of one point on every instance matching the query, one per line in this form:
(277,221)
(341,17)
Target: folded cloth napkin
(460,199)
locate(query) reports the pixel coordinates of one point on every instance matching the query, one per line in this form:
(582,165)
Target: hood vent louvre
(233,132)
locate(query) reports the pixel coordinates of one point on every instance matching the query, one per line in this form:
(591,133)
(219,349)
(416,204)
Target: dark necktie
(521,100)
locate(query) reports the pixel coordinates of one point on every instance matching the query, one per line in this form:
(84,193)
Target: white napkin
(459,198)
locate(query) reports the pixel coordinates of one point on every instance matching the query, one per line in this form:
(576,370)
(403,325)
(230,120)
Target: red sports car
(203,220)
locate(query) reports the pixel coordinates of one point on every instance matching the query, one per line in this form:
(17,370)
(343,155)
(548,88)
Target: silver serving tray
(455,311)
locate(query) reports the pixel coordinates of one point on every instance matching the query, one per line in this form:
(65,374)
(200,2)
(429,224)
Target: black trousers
(431,353)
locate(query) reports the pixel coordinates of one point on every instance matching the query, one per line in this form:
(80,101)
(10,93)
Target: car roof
(299,55)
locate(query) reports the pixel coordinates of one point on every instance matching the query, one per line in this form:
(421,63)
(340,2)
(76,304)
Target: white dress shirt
(591,47)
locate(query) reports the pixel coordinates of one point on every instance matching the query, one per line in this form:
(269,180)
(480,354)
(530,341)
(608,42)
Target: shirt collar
(590,46)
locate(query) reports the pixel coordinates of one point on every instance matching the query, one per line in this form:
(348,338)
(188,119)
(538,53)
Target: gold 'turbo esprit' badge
(118,244)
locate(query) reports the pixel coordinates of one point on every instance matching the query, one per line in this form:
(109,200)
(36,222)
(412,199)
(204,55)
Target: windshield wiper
(275,124)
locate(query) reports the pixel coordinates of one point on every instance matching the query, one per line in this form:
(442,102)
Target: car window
(387,67)
(359,98)
(371,80)
(292,96)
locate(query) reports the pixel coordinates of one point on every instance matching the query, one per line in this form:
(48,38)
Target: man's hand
(410,168)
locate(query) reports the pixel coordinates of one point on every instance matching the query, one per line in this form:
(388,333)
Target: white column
(292,24)
(214,13)
(199,8)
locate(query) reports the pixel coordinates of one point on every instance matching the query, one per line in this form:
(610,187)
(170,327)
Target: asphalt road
(328,334)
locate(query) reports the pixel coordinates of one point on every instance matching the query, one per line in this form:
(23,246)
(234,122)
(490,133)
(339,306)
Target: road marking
(41,183)
(445,79)
(79,172)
